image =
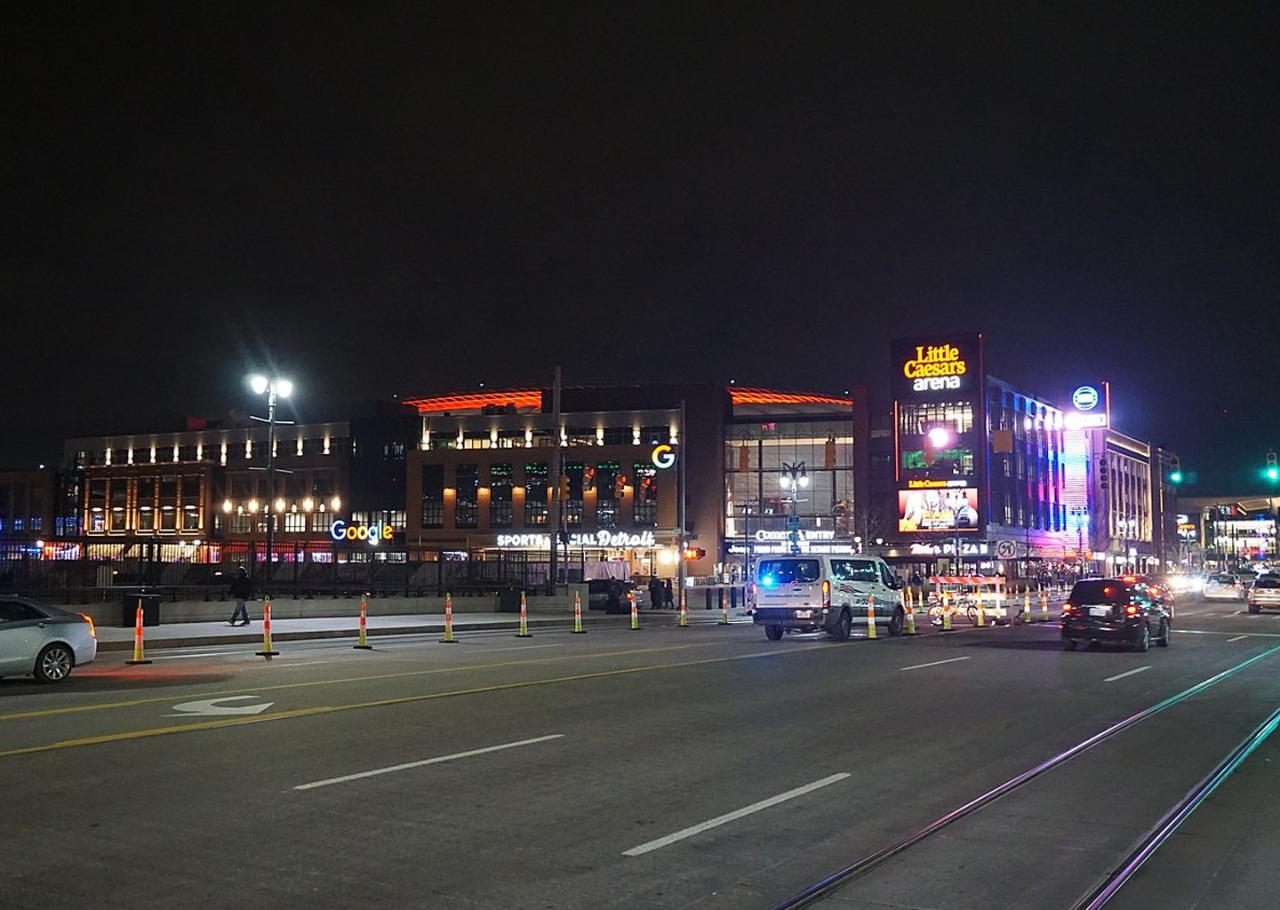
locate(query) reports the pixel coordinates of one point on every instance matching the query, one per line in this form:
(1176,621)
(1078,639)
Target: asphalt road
(701,768)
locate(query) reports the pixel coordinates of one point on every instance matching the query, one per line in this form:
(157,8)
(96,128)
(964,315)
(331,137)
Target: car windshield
(1224,579)
(773,572)
(1099,591)
(1267,581)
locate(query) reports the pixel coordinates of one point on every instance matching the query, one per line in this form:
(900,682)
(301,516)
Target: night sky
(389,203)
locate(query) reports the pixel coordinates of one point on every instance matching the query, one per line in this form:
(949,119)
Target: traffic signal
(694,552)
(1175,470)
(1272,470)
(564,487)
(620,486)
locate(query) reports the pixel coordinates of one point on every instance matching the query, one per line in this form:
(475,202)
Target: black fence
(296,574)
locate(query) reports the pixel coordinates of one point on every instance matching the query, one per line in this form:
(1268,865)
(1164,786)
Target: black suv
(1115,609)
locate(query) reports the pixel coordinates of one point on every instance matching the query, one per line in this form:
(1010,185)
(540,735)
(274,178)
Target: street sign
(793,522)
(213,706)
(1006,549)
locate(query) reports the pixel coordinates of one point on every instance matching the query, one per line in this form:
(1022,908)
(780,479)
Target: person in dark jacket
(656,594)
(242,591)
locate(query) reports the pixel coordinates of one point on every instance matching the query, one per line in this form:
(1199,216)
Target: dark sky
(398,202)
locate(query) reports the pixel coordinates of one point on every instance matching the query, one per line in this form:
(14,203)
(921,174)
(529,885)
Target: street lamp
(794,477)
(275,389)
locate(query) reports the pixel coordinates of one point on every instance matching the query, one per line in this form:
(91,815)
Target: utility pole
(556,470)
(680,508)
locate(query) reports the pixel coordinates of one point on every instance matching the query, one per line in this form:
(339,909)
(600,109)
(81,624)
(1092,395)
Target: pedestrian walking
(657,595)
(242,591)
(668,597)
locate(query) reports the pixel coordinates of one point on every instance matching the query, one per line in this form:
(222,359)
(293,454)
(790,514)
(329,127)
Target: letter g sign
(663,457)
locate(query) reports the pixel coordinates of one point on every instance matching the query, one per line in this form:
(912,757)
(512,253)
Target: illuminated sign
(663,457)
(1074,420)
(619,539)
(935,367)
(763,536)
(340,530)
(935,484)
(976,548)
(953,509)
(1085,398)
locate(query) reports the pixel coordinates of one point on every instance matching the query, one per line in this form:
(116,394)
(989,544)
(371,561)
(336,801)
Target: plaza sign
(613,539)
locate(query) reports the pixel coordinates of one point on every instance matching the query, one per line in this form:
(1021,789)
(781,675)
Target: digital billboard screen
(948,509)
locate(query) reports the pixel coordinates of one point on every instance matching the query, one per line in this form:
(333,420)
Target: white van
(812,592)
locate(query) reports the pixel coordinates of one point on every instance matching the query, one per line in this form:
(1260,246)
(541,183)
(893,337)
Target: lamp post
(275,389)
(793,478)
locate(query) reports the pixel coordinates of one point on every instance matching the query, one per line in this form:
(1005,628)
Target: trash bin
(509,600)
(129,609)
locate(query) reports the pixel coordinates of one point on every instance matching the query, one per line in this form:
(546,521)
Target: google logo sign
(663,457)
(340,530)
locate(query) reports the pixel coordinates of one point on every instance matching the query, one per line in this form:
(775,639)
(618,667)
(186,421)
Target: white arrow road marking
(211,706)
(733,816)
(361,775)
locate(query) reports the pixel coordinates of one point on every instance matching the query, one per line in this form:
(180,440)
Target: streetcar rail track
(829,884)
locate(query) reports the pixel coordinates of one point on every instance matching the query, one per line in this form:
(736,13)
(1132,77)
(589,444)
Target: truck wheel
(841,630)
(774,632)
(895,624)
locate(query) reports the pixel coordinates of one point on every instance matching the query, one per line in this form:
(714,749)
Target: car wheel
(1068,644)
(896,623)
(53,664)
(1094,645)
(774,632)
(1143,642)
(841,630)
(1166,633)
(1254,608)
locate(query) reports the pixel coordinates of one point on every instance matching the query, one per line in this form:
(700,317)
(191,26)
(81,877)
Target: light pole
(272,505)
(793,478)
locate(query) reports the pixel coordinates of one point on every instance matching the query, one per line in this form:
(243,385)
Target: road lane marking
(1129,673)
(733,816)
(936,663)
(383,702)
(196,654)
(1237,638)
(1215,632)
(429,761)
(213,706)
(103,706)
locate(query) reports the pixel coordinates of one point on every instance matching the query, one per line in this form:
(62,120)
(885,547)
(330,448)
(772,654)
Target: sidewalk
(192,634)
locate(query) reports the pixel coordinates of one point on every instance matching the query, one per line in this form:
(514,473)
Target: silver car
(43,642)
(1223,587)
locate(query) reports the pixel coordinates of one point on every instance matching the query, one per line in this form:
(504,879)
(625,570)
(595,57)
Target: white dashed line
(936,663)
(1123,675)
(1237,638)
(429,761)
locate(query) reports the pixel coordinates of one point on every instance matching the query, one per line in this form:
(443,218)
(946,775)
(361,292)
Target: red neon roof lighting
(474,401)
(745,395)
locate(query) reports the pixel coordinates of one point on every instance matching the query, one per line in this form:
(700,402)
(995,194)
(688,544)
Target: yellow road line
(378,703)
(103,706)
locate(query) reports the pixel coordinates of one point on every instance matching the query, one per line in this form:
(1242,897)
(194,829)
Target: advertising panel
(951,509)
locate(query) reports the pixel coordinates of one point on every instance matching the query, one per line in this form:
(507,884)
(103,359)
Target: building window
(119,520)
(535,495)
(500,484)
(146,504)
(169,504)
(467,505)
(609,482)
(97,506)
(295,522)
(573,505)
(433,496)
(645,500)
(191,503)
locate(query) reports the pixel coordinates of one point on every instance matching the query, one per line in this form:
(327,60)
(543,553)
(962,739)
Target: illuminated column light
(222,454)
(248,448)
(299,451)
(199,451)
(493,437)
(275,448)
(175,453)
(599,436)
(153,454)
(674,438)
(326,443)
(528,437)
(108,456)
(635,436)
(129,455)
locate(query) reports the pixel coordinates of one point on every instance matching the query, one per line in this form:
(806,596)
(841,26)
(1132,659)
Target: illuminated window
(500,485)
(573,505)
(608,480)
(146,504)
(467,502)
(535,494)
(645,500)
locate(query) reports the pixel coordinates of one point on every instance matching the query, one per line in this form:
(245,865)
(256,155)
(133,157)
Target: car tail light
(826,594)
(1131,610)
(93,631)
(1066,609)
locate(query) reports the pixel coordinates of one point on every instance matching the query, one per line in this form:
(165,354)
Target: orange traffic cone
(137,637)
(362,643)
(267,651)
(448,620)
(524,618)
